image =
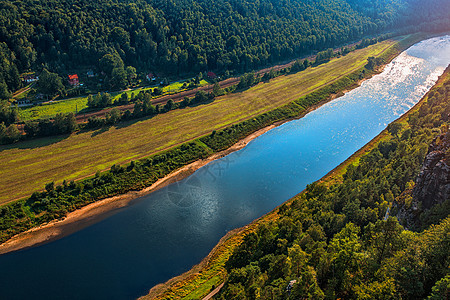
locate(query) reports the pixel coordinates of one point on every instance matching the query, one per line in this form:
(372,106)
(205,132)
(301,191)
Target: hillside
(180,36)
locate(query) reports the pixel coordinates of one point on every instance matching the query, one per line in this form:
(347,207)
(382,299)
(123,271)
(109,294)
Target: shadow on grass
(35,143)
(125,124)
(100,130)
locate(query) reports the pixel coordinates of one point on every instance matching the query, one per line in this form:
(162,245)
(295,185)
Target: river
(165,233)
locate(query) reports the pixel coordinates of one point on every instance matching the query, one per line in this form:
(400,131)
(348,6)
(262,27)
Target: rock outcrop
(433,183)
(432,187)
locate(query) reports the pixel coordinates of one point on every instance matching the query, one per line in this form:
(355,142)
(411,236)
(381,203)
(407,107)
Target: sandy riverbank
(99,210)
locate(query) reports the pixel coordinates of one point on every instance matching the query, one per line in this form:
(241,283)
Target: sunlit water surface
(167,232)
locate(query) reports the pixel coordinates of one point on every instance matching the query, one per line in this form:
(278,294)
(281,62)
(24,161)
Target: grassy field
(52,108)
(28,166)
(79,103)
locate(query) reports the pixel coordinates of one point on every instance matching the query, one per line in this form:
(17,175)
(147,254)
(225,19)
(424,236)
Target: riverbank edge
(101,209)
(168,290)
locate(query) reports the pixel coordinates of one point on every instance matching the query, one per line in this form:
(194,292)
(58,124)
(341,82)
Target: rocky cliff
(433,183)
(431,193)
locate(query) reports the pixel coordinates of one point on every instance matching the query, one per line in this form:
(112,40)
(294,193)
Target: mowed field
(26,167)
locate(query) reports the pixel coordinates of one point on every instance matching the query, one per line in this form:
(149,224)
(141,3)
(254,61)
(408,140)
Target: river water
(167,232)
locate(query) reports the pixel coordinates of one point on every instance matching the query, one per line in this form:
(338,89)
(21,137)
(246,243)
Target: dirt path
(23,90)
(213,293)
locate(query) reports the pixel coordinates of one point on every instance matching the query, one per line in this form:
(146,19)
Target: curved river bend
(167,232)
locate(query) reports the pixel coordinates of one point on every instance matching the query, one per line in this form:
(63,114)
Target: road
(213,293)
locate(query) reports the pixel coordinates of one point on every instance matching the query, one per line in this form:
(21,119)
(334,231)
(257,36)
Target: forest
(337,240)
(180,36)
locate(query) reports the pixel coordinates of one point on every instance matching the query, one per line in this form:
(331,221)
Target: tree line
(143,107)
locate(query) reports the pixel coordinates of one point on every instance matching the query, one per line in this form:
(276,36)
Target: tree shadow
(101,130)
(129,122)
(35,142)
(199,103)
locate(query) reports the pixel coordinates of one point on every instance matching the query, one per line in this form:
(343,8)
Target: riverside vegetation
(335,238)
(56,201)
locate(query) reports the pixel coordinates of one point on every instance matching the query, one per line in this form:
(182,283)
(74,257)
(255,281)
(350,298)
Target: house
(151,77)
(211,75)
(30,78)
(90,74)
(290,286)
(23,102)
(73,80)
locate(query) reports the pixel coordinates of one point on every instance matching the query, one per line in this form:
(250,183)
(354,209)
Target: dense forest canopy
(179,36)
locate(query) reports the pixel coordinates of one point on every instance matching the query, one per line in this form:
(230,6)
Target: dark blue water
(167,232)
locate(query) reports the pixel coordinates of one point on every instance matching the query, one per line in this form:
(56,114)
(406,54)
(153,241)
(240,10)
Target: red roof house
(211,75)
(73,79)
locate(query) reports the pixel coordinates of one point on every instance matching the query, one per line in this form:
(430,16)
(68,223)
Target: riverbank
(99,210)
(96,211)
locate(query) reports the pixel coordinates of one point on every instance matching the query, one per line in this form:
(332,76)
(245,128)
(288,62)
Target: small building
(151,77)
(211,75)
(290,285)
(23,102)
(73,80)
(30,78)
(90,74)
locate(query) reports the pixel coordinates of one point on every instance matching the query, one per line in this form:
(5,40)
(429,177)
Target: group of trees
(50,83)
(100,100)
(336,241)
(143,107)
(10,133)
(60,124)
(8,130)
(173,36)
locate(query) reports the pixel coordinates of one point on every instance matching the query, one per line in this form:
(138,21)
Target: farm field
(28,166)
